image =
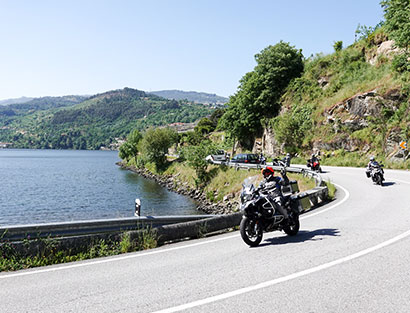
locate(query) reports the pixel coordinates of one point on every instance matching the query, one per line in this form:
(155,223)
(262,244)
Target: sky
(56,48)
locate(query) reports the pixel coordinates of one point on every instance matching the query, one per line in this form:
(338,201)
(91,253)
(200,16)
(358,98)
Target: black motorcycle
(260,214)
(377,174)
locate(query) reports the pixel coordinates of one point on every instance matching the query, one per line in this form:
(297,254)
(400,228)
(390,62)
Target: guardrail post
(137,211)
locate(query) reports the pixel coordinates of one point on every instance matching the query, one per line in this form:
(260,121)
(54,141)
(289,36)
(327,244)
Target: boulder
(387,49)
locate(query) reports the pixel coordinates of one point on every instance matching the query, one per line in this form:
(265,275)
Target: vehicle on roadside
(220,155)
(249,158)
(260,214)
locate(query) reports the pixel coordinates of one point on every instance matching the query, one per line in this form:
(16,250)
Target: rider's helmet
(288,154)
(267,171)
(313,155)
(372,158)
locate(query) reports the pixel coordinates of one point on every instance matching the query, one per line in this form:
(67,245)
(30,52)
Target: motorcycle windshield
(247,184)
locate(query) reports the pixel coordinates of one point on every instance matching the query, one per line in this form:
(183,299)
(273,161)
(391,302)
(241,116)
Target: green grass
(331,190)
(12,259)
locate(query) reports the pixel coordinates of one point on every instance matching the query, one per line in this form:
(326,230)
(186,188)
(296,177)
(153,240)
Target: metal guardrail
(299,170)
(65,229)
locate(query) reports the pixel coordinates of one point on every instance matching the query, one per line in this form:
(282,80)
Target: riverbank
(228,205)
(221,195)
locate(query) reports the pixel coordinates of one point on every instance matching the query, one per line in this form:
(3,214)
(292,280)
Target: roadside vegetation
(47,251)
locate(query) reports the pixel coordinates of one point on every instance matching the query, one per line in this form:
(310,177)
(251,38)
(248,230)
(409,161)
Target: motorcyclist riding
(313,158)
(271,184)
(371,165)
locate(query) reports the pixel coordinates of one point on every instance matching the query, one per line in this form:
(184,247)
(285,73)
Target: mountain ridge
(96,122)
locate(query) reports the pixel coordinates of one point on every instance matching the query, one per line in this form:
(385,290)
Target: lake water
(40,186)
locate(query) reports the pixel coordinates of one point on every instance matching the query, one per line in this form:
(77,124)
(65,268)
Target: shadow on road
(388,183)
(302,236)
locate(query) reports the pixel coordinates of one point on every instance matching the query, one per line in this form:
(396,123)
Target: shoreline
(172,184)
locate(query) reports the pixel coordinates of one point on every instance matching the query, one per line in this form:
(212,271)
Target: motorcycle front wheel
(378,179)
(251,231)
(293,228)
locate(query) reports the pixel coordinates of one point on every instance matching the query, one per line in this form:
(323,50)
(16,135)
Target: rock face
(346,117)
(267,144)
(387,49)
(360,106)
(352,114)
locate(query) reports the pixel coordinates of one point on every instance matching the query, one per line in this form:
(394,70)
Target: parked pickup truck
(219,155)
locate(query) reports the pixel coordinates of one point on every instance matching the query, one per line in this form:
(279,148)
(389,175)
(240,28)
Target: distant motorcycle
(277,162)
(260,214)
(315,165)
(377,174)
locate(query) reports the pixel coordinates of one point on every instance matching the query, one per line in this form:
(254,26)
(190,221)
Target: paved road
(350,256)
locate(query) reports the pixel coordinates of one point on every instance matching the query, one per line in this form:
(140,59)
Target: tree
(205,126)
(129,149)
(195,155)
(397,15)
(259,91)
(155,145)
(338,46)
(216,115)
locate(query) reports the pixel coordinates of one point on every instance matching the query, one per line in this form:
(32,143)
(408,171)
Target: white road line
(114,259)
(132,256)
(285,278)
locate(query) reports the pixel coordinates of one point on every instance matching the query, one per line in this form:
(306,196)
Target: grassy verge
(331,190)
(47,251)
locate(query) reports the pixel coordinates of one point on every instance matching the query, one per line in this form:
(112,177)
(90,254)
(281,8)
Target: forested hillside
(43,103)
(92,123)
(197,97)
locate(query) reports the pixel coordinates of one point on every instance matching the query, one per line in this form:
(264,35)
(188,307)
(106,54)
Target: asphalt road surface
(352,255)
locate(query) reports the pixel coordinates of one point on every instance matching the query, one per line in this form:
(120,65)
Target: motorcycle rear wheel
(251,231)
(293,228)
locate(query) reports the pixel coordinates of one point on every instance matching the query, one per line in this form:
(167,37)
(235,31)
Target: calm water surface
(40,186)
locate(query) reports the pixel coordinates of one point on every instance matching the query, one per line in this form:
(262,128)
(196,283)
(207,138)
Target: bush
(293,127)
(401,63)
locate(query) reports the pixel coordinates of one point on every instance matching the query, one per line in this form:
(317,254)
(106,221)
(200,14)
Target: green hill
(93,123)
(197,97)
